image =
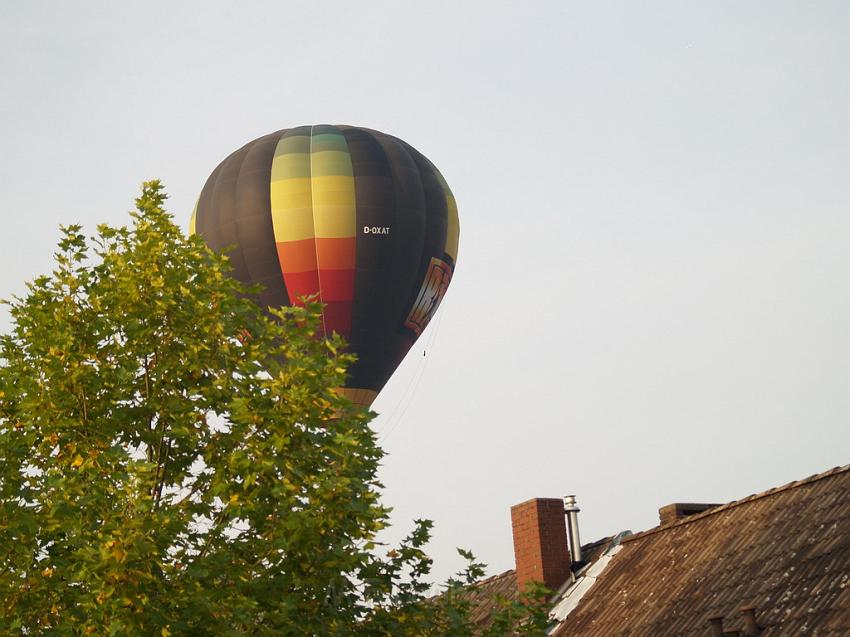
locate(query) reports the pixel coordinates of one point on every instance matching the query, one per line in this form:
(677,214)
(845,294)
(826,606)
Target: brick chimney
(540,542)
(680,510)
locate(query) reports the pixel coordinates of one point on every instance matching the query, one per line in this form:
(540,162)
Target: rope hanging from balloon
(409,394)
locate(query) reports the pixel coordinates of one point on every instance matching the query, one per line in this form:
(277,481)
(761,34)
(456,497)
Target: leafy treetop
(174,461)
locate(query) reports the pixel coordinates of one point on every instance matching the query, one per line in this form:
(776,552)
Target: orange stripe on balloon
(297,256)
(335,254)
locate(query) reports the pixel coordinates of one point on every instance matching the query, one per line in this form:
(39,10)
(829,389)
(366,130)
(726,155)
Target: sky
(652,297)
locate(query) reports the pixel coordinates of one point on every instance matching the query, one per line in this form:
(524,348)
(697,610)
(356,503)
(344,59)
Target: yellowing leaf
(78,460)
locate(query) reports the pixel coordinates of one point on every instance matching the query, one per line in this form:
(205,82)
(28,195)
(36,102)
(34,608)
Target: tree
(174,461)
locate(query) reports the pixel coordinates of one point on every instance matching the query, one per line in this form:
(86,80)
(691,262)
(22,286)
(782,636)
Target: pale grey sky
(652,299)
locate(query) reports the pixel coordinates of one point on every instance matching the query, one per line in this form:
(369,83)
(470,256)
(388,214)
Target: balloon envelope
(355,216)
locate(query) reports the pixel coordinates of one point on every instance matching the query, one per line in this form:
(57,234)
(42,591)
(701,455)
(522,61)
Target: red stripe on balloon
(337,285)
(301,284)
(337,317)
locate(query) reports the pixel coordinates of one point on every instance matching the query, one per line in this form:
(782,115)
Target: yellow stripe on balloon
(292,209)
(331,163)
(334,202)
(334,207)
(291,191)
(453,229)
(193,218)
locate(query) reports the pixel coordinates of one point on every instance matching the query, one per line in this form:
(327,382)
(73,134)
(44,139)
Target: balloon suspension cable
(413,384)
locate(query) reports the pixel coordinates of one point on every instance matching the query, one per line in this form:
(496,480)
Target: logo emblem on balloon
(433,289)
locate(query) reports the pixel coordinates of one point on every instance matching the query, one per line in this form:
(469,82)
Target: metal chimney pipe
(571,509)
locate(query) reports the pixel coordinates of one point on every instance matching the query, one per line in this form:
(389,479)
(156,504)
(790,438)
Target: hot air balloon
(355,216)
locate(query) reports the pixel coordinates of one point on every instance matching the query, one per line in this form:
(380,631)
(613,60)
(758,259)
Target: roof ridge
(595,543)
(745,500)
(497,576)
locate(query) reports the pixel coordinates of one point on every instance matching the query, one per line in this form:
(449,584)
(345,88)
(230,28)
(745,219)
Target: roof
(785,551)
(485,595)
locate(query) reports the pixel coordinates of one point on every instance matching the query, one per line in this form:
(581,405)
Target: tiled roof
(785,551)
(484,595)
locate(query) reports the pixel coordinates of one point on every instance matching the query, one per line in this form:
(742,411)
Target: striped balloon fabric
(357,218)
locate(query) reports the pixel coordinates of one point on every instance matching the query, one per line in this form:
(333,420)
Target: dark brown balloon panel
(358,218)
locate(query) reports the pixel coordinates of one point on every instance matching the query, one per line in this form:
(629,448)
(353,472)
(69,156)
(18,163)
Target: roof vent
(750,628)
(716,626)
(680,510)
